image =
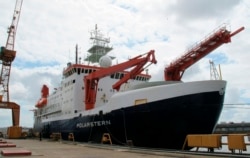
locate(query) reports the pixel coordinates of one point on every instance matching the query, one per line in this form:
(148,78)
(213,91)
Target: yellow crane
(7,56)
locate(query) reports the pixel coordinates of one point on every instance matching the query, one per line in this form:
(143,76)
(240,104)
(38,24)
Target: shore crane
(7,56)
(176,69)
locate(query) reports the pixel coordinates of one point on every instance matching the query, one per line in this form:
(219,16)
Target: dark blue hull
(160,124)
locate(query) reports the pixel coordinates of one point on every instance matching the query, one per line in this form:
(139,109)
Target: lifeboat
(44,94)
(41,103)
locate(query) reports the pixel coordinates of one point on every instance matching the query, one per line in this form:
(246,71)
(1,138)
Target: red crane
(7,56)
(177,68)
(91,81)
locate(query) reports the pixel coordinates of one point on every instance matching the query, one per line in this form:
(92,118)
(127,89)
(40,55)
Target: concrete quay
(67,149)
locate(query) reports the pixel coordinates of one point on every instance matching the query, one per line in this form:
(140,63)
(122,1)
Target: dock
(47,148)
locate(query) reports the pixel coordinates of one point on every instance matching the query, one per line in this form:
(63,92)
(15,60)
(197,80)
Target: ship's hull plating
(159,124)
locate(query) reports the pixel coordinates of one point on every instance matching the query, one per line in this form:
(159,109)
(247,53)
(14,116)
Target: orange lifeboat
(44,94)
(41,103)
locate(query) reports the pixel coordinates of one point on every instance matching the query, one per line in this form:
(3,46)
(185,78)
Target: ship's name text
(93,124)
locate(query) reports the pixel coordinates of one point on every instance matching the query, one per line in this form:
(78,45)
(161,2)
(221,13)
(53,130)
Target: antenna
(76,54)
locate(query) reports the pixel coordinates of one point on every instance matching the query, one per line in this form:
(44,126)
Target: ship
(97,98)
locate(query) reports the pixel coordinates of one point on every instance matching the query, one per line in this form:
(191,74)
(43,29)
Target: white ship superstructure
(67,100)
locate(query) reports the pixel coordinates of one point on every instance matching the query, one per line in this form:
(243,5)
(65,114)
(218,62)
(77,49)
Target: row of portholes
(117,75)
(51,108)
(78,71)
(69,83)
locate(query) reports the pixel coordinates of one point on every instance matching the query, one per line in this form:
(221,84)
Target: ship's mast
(100,46)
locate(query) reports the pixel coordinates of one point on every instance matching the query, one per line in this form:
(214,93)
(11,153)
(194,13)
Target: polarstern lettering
(93,124)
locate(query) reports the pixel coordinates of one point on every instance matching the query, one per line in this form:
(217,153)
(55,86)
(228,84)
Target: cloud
(200,10)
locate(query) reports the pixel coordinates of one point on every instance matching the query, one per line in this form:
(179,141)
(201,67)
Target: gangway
(176,69)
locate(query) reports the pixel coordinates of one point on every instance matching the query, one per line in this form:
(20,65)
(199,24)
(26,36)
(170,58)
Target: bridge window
(117,75)
(122,75)
(86,71)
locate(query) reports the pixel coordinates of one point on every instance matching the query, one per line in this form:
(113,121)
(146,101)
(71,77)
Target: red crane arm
(136,70)
(177,68)
(91,81)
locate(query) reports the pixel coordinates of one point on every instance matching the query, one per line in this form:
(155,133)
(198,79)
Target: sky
(48,31)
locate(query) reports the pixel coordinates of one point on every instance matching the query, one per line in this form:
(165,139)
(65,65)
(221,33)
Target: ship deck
(49,148)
